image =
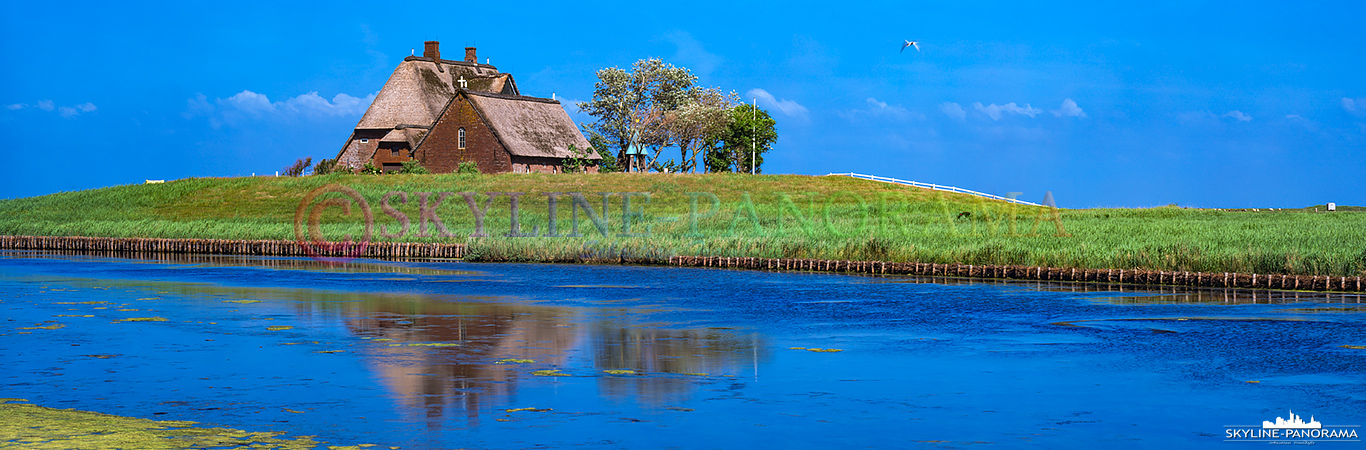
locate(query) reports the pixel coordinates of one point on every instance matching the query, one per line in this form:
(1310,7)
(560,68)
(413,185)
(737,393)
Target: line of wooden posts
(441,250)
(232,247)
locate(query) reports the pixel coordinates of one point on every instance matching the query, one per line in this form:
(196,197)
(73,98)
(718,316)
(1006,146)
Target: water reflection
(466,357)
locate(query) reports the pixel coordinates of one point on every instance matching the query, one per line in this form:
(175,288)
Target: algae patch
(243,302)
(1355,347)
(279,327)
(620,372)
(30,426)
(514,361)
(142,319)
(529,409)
(549,373)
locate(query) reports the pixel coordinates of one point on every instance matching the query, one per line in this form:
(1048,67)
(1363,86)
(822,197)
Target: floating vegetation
(1355,347)
(514,361)
(703,374)
(1254,381)
(243,302)
(30,426)
(529,409)
(279,327)
(824,350)
(796,348)
(150,298)
(142,319)
(47,327)
(293,411)
(100,356)
(679,408)
(621,372)
(549,373)
(72,315)
(329,351)
(383,340)
(433,344)
(92,302)
(127,309)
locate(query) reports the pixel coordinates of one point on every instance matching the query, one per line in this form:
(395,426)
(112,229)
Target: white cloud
(254,105)
(1069,108)
(997,111)
(789,108)
(953,110)
(878,108)
(66,112)
(1238,115)
(1349,104)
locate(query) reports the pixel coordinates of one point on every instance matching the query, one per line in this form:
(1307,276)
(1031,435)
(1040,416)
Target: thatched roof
(530,126)
(420,87)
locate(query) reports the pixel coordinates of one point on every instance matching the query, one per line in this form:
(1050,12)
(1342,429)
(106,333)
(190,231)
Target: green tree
(604,149)
(326,166)
(632,106)
(750,135)
(700,124)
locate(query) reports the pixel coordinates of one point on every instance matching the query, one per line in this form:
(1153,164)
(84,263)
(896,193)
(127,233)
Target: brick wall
(440,152)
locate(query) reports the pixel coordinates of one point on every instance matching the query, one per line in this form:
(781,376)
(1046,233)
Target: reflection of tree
(467,376)
(466,373)
(654,351)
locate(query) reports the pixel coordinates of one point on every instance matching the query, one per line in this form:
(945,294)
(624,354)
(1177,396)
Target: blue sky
(1211,104)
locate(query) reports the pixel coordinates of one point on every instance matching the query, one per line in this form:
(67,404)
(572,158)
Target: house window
(461,137)
(365,141)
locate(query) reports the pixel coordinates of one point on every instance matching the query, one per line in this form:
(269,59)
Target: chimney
(469,55)
(430,49)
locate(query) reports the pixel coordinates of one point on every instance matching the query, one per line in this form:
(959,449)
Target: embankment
(116,246)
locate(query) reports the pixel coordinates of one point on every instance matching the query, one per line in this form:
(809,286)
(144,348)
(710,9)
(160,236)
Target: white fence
(931,186)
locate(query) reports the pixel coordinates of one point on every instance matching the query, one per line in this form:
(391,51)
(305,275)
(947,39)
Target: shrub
(414,167)
(370,169)
(326,166)
(467,167)
(578,162)
(298,167)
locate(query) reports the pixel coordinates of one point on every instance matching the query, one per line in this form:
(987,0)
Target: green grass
(797,217)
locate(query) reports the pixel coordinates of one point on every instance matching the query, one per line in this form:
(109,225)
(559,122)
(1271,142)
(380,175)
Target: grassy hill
(785,216)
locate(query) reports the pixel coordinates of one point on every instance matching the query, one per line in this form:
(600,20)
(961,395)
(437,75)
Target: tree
(699,125)
(631,107)
(600,145)
(751,134)
(326,166)
(299,167)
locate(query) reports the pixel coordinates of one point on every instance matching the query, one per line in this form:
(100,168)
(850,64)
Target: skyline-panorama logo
(1292,430)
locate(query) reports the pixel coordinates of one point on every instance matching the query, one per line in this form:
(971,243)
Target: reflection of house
(441,113)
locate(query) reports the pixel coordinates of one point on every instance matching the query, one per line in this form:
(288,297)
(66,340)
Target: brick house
(441,113)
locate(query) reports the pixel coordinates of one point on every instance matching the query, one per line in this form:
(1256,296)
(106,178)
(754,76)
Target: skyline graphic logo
(1292,429)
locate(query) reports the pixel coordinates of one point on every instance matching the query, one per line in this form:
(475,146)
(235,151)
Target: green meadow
(787,216)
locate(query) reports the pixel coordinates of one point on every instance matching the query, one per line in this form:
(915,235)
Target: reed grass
(786,216)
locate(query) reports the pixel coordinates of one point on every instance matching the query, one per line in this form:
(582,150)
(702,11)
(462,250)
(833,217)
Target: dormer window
(364,141)
(460,139)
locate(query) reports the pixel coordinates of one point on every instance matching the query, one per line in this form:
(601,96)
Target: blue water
(415,355)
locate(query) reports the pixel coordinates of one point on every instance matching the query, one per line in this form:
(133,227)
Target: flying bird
(910,44)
